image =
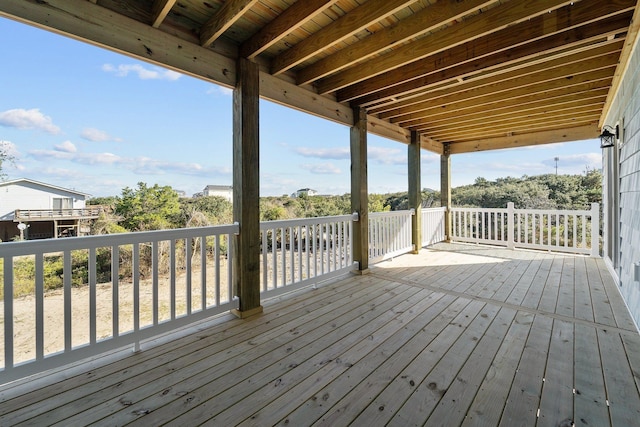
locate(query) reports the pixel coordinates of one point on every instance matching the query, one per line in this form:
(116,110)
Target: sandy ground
(24,309)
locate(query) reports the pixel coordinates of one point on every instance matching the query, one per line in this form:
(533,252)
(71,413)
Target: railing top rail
(498,210)
(554,211)
(437,209)
(392,213)
(267,225)
(86,242)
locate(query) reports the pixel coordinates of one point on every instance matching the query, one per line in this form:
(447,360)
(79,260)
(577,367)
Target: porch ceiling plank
(422,22)
(343,27)
(557,120)
(510,115)
(225,17)
(161,9)
(477,26)
(464,61)
(577,133)
(556,73)
(289,20)
(517,107)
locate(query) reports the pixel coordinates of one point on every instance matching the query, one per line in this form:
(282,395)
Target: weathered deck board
(459,335)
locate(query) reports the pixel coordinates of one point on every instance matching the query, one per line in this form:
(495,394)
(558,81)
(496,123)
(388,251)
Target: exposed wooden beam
(430,144)
(161,9)
(225,17)
(498,63)
(359,188)
(290,19)
(477,26)
(246,184)
(568,134)
(343,27)
(555,72)
(422,22)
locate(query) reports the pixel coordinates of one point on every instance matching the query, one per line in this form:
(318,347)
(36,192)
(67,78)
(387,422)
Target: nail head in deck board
(524,396)
(486,408)
(590,402)
(556,400)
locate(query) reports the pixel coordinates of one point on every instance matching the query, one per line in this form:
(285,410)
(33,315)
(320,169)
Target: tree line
(159,207)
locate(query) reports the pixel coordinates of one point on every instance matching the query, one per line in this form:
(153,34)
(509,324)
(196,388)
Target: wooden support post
(246,189)
(445,188)
(415,195)
(359,188)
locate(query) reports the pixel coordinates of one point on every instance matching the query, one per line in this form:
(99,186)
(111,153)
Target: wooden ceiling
(464,74)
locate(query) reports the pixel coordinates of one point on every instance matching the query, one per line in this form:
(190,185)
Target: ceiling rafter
(570,133)
(552,105)
(475,27)
(417,24)
(561,78)
(533,125)
(290,19)
(227,15)
(343,27)
(161,9)
(505,108)
(551,69)
(503,61)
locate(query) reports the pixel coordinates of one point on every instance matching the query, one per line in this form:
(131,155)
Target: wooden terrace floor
(458,335)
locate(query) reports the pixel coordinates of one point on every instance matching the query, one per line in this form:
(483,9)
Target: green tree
(5,157)
(147,208)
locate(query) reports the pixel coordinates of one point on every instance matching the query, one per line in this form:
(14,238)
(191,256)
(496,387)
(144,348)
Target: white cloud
(322,169)
(28,119)
(339,153)
(215,89)
(153,73)
(97,135)
(66,147)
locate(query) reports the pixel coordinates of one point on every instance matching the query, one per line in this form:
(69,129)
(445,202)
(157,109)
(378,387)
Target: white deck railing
(115,290)
(573,231)
(300,251)
(433,226)
(389,234)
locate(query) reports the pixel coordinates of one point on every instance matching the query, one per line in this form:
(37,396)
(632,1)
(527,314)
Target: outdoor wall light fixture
(608,136)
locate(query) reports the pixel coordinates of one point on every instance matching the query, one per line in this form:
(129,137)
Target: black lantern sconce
(608,137)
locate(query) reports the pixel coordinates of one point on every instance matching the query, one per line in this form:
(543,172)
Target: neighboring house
(305,192)
(225,191)
(35,210)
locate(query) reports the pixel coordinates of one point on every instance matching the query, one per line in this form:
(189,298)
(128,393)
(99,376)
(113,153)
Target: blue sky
(85,118)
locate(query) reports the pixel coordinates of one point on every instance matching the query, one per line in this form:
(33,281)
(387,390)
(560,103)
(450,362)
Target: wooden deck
(458,335)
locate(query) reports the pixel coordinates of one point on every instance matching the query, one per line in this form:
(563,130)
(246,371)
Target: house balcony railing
(51,214)
(66,300)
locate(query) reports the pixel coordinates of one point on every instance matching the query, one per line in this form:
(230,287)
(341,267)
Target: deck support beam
(445,187)
(415,195)
(246,189)
(359,188)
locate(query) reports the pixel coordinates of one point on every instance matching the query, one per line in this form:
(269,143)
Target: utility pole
(556,159)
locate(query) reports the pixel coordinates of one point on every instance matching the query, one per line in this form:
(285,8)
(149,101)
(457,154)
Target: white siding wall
(27,195)
(626,112)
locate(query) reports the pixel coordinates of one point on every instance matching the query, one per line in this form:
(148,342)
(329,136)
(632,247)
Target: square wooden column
(246,189)
(415,195)
(445,188)
(359,188)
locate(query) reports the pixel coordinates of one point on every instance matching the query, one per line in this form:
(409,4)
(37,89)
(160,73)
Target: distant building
(35,210)
(225,191)
(305,192)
